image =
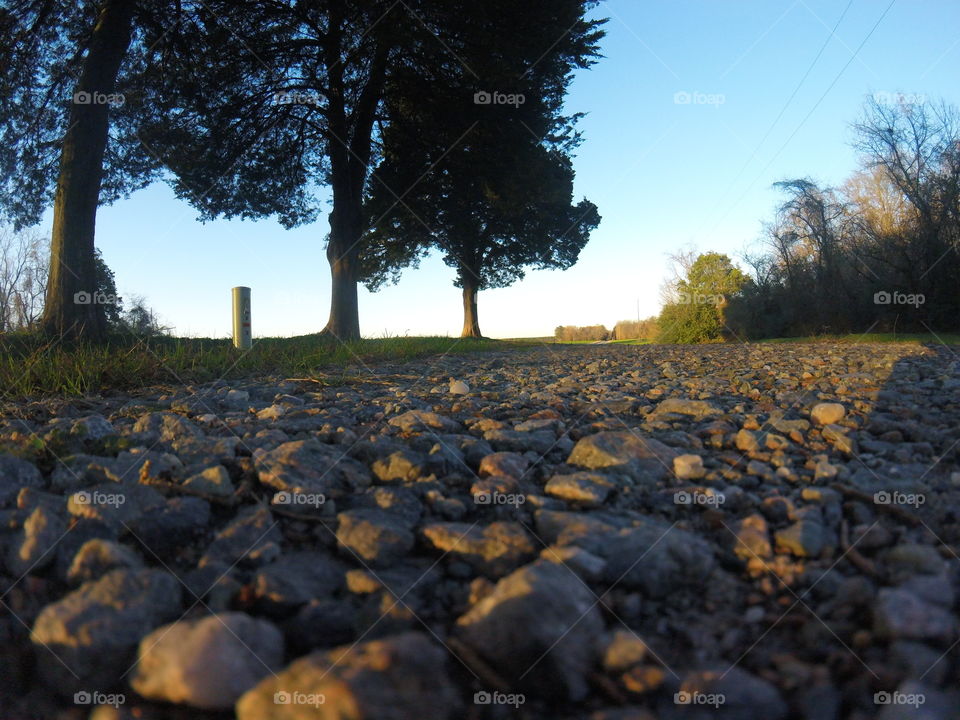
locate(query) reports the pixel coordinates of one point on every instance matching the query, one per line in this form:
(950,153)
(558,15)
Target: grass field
(30,366)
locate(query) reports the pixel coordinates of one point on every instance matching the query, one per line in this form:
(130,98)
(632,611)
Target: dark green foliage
(490,183)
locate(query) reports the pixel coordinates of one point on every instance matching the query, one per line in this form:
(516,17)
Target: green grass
(911,338)
(31,366)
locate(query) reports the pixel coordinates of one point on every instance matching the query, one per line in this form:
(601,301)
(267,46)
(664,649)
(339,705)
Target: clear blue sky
(664,174)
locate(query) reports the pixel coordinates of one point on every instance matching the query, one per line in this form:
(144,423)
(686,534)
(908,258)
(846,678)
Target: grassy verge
(30,366)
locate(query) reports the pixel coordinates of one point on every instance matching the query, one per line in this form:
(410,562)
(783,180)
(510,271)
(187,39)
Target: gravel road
(591,532)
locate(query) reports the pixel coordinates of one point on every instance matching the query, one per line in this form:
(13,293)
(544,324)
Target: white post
(242,334)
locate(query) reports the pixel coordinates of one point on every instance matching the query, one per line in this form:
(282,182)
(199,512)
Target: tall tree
(491,184)
(283,98)
(68,75)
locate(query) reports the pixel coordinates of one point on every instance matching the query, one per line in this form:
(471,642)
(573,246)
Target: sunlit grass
(32,366)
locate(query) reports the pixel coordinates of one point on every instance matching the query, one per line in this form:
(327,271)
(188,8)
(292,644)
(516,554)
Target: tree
(917,146)
(23,276)
(492,188)
(279,99)
(710,284)
(68,72)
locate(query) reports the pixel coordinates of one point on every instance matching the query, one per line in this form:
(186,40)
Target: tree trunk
(471,325)
(342,254)
(72,309)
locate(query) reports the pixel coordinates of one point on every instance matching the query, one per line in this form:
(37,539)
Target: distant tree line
(623,330)
(435,126)
(881,253)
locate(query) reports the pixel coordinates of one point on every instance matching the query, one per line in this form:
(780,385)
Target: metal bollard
(242,333)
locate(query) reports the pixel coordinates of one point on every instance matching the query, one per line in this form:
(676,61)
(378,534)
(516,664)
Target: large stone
(902,615)
(395,678)
(207,663)
(424,421)
(253,537)
(168,427)
(538,629)
(15,474)
(827,413)
(93,632)
(97,557)
(400,466)
(307,467)
(738,695)
(297,578)
(115,504)
(623,449)
(697,409)
(650,556)
(375,537)
(493,550)
(752,538)
(584,488)
(688,467)
(42,530)
(804,538)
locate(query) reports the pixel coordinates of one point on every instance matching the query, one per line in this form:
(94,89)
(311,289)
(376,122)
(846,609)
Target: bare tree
(23,275)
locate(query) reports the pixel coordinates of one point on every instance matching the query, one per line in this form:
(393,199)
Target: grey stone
(94,630)
(400,466)
(494,550)
(744,696)
(584,488)
(373,536)
(115,504)
(804,538)
(297,578)
(619,449)
(423,420)
(395,678)
(827,413)
(14,475)
(97,557)
(900,615)
(252,537)
(34,550)
(212,481)
(697,409)
(539,615)
(207,663)
(310,467)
